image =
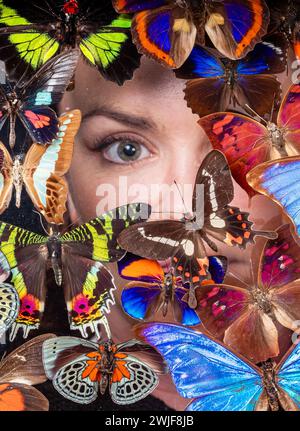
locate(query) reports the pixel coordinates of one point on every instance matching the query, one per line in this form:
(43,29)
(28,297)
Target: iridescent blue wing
(218,268)
(289,374)
(183,313)
(204,369)
(137,301)
(268,57)
(202,63)
(279,180)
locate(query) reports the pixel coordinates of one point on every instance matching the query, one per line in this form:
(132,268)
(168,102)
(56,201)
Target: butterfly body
(269,379)
(54,247)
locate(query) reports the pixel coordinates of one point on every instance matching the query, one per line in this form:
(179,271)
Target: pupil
(129,151)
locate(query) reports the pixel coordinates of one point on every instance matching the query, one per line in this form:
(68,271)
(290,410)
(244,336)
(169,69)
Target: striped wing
(45,166)
(24,254)
(98,237)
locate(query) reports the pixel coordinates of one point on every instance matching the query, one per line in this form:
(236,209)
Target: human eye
(124,149)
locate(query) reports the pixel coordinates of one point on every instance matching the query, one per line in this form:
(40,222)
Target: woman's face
(133,138)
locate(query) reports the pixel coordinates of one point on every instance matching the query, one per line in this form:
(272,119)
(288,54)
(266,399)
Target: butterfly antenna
(255,113)
(181,196)
(66,228)
(273,107)
(237,278)
(41,221)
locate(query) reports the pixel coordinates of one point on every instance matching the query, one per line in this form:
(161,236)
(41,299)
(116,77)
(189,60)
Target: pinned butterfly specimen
(247,143)
(80,369)
(167,30)
(31,34)
(218,378)
(75,258)
(9,307)
(19,370)
(216,84)
(251,317)
(212,219)
(41,172)
(29,101)
(279,180)
(285,18)
(153,288)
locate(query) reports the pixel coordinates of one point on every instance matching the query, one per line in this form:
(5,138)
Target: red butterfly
(246,143)
(252,318)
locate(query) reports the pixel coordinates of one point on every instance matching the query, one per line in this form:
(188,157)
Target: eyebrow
(121,117)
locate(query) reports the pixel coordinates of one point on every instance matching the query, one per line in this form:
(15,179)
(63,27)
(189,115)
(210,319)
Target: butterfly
(167,30)
(251,317)
(19,370)
(80,369)
(212,218)
(75,258)
(32,34)
(9,307)
(247,143)
(217,377)
(29,101)
(41,172)
(153,288)
(216,84)
(285,18)
(279,180)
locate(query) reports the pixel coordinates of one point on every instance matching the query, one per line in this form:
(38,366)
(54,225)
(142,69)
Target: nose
(180,174)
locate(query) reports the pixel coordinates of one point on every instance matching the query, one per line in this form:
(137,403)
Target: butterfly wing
(9,306)
(279,180)
(204,369)
(166,34)
(289,120)
(140,298)
(279,274)
(44,167)
(111,50)
(59,351)
(70,383)
(98,237)
(88,289)
(25,42)
(24,254)
(20,397)
(235,26)
(6,178)
(288,373)
(131,380)
(221,221)
(205,90)
(24,364)
(244,141)
(45,88)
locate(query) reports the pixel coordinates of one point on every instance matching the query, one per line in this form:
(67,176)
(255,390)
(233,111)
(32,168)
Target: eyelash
(103,144)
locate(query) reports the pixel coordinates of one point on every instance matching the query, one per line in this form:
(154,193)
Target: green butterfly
(33,32)
(75,258)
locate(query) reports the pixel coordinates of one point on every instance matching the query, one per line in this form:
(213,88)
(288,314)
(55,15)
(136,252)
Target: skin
(151,111)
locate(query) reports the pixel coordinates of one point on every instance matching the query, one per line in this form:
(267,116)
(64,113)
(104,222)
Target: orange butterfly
(42,171)
(18,372)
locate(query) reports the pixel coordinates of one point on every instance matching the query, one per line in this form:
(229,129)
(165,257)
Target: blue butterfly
(152,289)
(217,378)
(214,85)
(279,180)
